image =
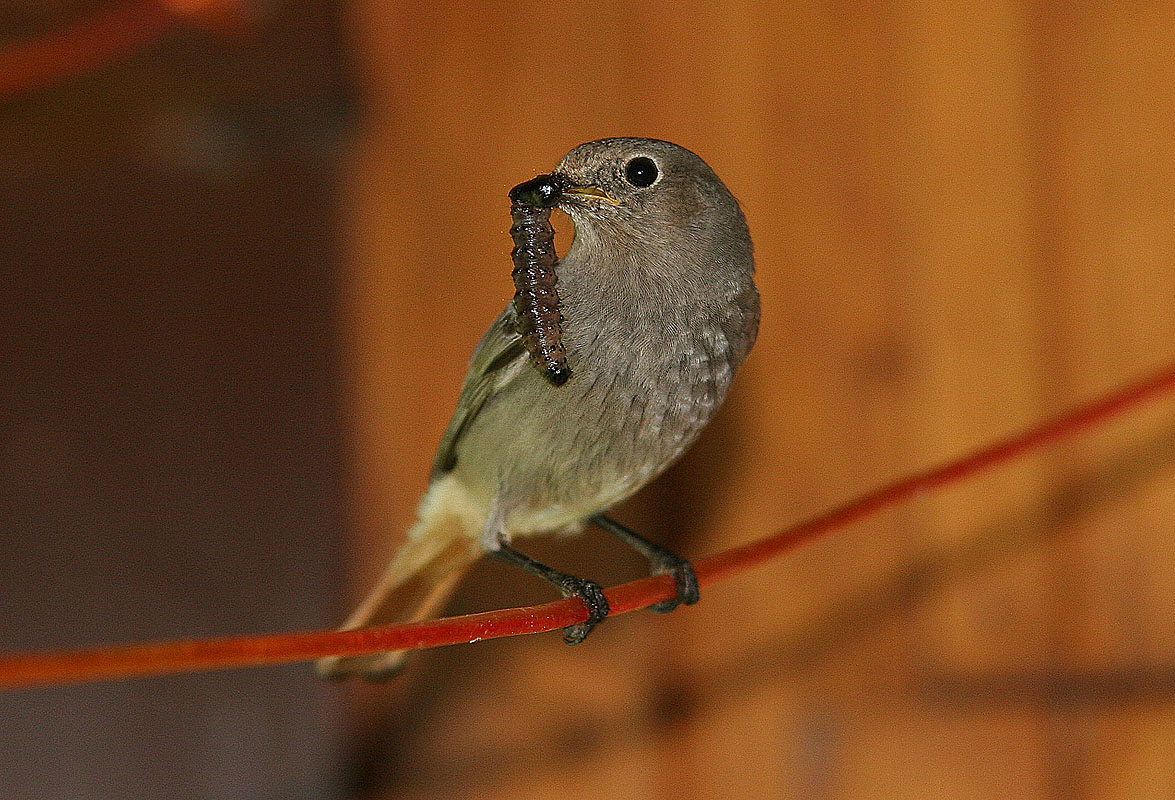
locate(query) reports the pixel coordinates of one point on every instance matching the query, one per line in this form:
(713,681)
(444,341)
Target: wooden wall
(169,431)
(964,223)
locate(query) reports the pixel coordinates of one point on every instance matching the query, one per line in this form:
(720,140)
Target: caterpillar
(536,301)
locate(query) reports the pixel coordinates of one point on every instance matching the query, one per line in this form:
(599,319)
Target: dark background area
(170,438)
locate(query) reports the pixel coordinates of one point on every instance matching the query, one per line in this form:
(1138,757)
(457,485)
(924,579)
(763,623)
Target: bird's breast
(646,377)
(642,388)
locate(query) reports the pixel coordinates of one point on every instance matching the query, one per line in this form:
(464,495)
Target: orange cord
(56,668)
(108,35)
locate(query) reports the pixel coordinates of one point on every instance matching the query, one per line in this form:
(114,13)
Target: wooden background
(241,276)
(964,223)
(170,444)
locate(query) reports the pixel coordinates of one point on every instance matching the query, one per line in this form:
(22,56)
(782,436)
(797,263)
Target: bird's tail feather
(415,586)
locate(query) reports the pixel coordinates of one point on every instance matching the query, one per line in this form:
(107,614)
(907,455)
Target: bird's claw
(592,596)
(683,576)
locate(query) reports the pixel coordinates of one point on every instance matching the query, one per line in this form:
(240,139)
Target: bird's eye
(641,172)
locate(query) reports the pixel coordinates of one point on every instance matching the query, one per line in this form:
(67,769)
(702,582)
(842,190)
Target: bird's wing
(497,360)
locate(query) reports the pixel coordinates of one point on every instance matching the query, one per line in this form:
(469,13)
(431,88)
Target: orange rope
(108,35)
(55,668)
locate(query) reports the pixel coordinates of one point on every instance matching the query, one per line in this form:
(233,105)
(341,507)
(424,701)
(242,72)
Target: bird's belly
(556,455)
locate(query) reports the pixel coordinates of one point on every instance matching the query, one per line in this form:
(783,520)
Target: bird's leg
(589,592)
(662,561)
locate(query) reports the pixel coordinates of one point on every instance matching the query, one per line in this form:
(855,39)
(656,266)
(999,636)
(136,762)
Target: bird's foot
(592,596)
(662,562)
(666,563)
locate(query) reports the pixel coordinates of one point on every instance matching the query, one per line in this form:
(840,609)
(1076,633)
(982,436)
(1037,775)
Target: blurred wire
(51,668)
(109,35)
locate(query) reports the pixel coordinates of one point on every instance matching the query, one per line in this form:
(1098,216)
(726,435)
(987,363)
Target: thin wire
(63,667)
(110,34)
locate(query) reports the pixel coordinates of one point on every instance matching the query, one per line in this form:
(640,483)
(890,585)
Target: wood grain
(963,223)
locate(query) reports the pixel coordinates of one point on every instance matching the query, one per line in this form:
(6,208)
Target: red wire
(55,668)
(110,34)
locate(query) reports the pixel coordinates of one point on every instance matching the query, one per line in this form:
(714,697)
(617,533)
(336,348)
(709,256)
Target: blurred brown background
(244,274)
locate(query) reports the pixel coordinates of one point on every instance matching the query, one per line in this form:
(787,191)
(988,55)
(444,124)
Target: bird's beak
(591,193)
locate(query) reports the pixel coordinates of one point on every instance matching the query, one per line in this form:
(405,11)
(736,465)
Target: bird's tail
(414,587)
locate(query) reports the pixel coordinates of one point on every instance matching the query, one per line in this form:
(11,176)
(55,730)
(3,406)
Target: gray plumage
(660,308)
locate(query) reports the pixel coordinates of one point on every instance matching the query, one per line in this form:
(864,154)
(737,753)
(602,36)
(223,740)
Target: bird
(658,309)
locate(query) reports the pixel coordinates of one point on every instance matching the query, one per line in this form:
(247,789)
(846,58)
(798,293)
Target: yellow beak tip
(591,193)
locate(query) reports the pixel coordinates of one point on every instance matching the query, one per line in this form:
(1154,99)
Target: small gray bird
(659,308)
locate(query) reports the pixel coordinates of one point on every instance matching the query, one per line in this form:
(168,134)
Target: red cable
(55,668)
(110,34)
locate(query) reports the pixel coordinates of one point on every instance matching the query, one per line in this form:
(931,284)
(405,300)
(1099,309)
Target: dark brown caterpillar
(535,298)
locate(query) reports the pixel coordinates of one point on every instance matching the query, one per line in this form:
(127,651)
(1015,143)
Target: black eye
(641,172)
